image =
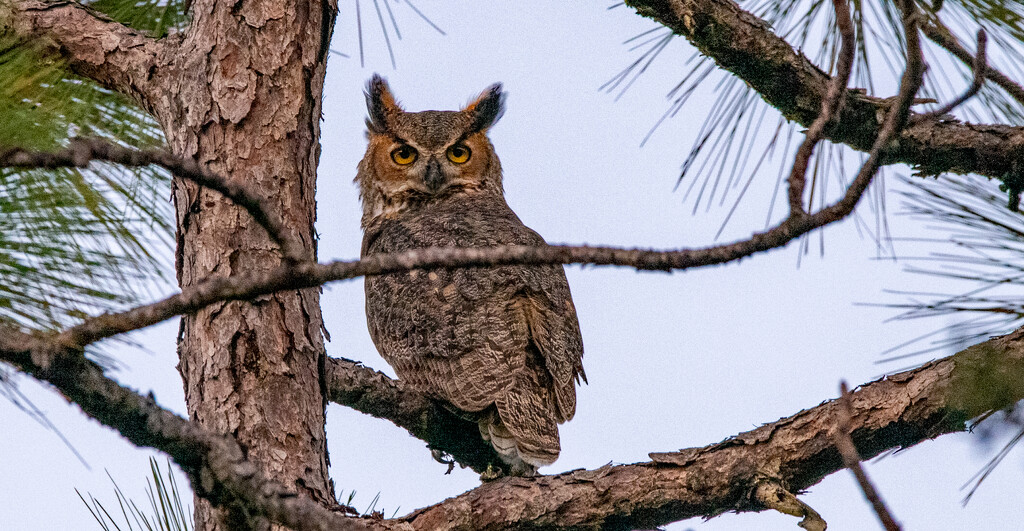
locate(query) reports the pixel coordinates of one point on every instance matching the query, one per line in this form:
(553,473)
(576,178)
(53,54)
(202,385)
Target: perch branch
(897,411)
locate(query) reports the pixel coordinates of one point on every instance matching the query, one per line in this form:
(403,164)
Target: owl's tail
(523,429)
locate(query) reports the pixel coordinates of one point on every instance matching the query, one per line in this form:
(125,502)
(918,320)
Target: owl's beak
(434,178)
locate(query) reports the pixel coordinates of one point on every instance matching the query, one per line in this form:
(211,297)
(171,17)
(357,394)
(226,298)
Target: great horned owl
(502,344)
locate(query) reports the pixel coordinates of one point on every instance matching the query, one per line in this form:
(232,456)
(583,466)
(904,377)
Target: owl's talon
(491,474)
(444,458)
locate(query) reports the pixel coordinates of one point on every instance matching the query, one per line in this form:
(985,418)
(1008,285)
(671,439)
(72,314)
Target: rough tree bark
(242,96)
(239,92)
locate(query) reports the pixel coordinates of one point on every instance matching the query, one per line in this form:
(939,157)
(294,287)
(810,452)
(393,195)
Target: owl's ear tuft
(380,104)
(486,109)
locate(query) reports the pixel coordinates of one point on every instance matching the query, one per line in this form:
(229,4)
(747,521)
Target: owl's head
(417,157)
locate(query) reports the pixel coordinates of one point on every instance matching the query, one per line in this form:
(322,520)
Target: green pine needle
(166,510)
(153,16)
(74,241)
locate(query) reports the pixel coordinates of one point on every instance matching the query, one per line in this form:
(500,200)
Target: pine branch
(744,44)
(297,275)
(796,452)
(95,47)
(215,464)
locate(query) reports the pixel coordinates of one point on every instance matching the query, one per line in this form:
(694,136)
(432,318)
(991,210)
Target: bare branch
(306,274)
(851,459)
(81,151)
(938,33)
(97,48)
(830,108)
(744,44)
(980,67)
(216,465)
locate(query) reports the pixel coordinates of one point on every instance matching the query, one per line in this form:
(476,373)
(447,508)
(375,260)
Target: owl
(499,345)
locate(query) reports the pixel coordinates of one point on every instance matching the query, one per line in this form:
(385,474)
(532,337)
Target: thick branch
(795,452)
(95,47)
(743,44)
(216,465)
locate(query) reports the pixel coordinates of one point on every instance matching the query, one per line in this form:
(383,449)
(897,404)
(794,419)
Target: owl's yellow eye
(458,154)
(404,155)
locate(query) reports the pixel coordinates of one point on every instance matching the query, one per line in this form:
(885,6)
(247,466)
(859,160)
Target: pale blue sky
(673,360)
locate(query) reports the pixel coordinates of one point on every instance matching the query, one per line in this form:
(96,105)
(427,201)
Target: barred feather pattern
(501,345)
(503,342)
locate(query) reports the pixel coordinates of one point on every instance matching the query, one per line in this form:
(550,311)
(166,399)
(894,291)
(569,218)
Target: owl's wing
(543,393)
(468,334)
(554,332)
(451,334)
(550,317)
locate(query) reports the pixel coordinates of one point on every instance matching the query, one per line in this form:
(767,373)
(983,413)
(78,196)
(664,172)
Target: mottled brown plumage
(500,344)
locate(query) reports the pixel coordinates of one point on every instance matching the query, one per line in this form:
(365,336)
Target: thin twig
(895,120)
(980,66)
(851,459)
(81,151)
(938,33)
(831,107)
(308,274)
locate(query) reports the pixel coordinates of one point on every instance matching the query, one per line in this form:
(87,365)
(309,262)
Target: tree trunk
(244,100)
